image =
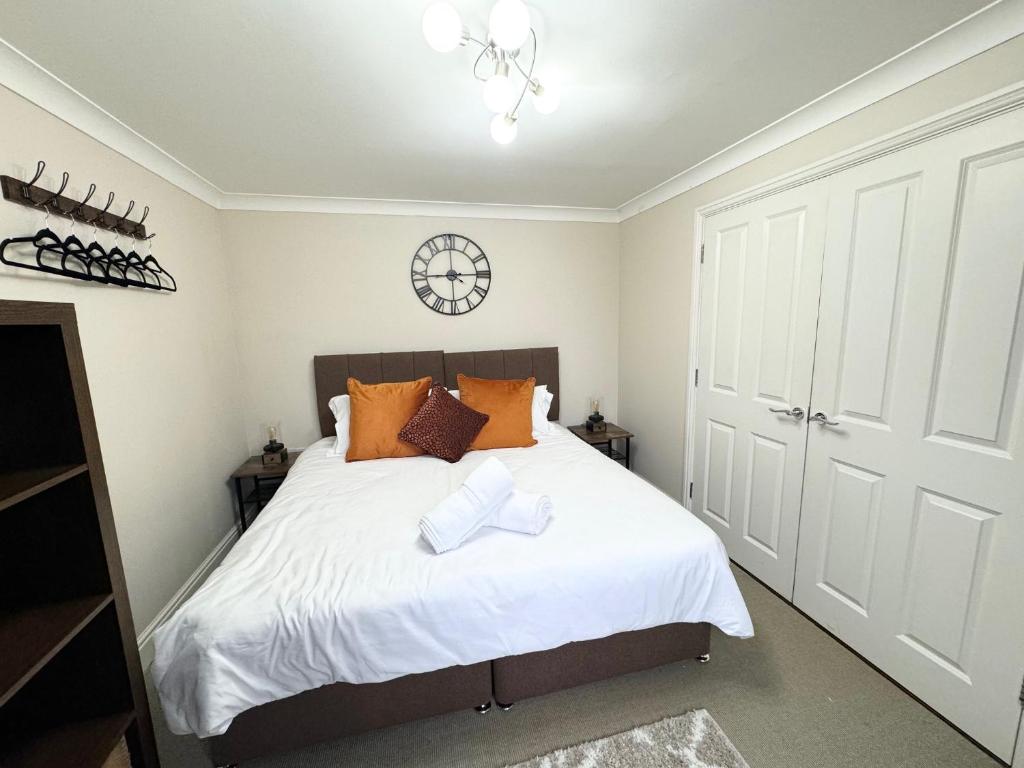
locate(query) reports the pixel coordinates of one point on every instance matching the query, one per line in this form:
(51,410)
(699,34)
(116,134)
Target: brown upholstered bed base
(534,674)
(343,709)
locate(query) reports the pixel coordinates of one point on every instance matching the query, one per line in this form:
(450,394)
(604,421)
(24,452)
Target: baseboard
(192,583)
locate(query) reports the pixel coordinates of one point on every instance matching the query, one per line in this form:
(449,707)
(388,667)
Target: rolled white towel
(462,513)
(522,512)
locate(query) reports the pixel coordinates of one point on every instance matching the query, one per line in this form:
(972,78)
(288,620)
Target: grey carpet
(792,697)
(693,740)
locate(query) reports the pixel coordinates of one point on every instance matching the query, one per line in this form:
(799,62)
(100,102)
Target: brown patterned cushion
(443,426)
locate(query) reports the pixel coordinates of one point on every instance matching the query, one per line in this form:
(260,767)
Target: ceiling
(341,98)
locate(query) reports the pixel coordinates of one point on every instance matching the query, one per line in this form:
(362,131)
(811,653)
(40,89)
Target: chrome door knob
(797,412)
(822,419)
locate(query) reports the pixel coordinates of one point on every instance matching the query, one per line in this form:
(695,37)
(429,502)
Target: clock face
(451,274)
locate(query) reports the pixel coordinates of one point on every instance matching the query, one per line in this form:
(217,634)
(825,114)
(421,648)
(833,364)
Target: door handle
(797,412)
(822,419)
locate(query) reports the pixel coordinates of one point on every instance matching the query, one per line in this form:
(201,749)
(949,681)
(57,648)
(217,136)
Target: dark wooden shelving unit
(71,685)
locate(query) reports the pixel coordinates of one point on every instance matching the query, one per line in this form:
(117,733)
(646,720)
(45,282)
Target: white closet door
(759,299)
(912,530)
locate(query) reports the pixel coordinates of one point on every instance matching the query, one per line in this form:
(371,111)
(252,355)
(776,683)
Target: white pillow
(541,405)
(341,407)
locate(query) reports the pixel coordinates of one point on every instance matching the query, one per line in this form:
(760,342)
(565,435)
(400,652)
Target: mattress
(332,582)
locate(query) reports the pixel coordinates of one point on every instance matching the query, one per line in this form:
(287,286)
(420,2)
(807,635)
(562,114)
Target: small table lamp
(595,421)
(274,452)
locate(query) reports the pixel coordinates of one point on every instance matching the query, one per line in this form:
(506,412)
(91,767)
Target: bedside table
(598,439)
(266,480)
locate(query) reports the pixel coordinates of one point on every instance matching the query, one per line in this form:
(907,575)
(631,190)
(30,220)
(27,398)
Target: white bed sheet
(333,583)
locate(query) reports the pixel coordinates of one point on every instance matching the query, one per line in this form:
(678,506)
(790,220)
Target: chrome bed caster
(704,658)
(482,709)
(505,707)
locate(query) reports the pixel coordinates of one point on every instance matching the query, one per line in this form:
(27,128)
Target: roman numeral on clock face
(423,291)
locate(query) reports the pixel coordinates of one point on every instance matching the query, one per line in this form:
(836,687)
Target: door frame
(988,106)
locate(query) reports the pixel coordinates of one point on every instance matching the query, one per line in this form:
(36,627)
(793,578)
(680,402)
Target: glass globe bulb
(546,98)
(509,24)
(498,93)
(442,27)
(504,129)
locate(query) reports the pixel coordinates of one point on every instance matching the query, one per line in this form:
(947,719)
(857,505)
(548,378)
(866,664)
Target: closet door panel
(981,340)
(879,240)
(759,294)
(913,512)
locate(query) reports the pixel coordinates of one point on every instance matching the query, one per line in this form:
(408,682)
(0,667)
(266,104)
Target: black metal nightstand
(266,480)
(598,439)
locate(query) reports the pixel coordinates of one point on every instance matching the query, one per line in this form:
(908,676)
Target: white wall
(308,284)
(657,256)
(163,368)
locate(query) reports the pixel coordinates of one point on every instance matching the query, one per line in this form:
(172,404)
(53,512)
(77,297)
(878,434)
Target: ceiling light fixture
(508,80)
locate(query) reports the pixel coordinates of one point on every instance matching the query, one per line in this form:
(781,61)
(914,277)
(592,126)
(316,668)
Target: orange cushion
(509,403)
(379,411)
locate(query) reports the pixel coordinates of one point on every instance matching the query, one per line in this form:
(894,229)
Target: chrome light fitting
(507,80)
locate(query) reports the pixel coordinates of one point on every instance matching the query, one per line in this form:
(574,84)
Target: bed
(331,616)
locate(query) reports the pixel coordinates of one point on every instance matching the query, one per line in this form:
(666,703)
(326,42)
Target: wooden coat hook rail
(28,194)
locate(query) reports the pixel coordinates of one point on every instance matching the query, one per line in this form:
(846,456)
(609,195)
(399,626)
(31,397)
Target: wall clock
(451,274)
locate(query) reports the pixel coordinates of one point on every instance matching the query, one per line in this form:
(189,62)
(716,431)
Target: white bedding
(333,583)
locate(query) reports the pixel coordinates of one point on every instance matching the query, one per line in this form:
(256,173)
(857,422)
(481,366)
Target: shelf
(86,744)
(263,494)
(29,638)
(23,484)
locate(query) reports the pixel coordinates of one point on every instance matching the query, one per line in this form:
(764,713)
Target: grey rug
(692,740)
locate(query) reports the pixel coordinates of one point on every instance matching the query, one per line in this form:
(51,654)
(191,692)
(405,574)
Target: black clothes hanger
(116,258)
(136,265)
(163,277)
(74,248)
(96,253)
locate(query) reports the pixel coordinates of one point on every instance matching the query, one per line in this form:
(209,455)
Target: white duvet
(333,583)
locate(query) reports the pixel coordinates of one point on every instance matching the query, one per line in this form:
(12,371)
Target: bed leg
(704,658)
(482,709)
(504,707)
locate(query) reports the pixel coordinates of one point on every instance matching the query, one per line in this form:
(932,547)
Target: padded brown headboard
(331,372)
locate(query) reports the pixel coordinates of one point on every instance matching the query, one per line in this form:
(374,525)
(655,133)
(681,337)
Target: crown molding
(29,80)
(996,23)
(296,203)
